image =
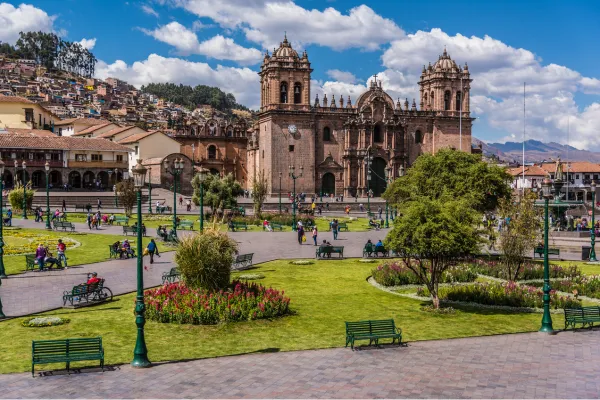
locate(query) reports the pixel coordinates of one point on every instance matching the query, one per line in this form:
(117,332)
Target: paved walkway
(530,365)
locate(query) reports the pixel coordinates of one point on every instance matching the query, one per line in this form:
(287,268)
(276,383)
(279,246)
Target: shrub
(529,270)
(580,286)
(205,259)
(42,322)
(240,301)
(15,197)
(502,294)
(396,274)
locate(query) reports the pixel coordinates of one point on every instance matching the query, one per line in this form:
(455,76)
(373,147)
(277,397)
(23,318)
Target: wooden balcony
(98,164)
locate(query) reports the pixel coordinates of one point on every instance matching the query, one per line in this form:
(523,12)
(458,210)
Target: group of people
(188,203)
(123,249)
(377,247)
(45,259)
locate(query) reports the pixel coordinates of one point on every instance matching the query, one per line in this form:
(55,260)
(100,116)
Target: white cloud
(218,47)
(264,22)
(149,10)
(343,76)
(88,43)
(22,19)
(243,83)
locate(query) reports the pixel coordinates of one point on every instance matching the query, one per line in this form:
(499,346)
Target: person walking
(334,229)
(99,204)
(300,234)
(89,221)
(152,249)
(315,233)
(64,206)
(60,254)
(180,201)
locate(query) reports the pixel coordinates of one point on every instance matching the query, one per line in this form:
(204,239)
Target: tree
(127,195)
(15,196)
(431,235)
(521,234)
(219,193)
(260,189)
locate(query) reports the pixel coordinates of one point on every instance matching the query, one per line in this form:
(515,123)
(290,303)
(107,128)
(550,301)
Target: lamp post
(546,319)
(368,160)
(2,271)
(294,177)
(140,352)
(202,174)
(175,171)
(116,181)
(149,190)
(593,233)
(388,178)
(24,165)
(47,168)
(280,174)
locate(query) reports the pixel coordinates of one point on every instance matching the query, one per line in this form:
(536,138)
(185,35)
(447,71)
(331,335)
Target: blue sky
(549,44)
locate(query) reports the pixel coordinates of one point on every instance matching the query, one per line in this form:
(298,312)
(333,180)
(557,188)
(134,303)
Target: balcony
(98,164)
(40,163)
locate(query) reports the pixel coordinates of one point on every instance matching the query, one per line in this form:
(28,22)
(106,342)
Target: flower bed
(302,262)
(274,218)
(509,294)
(528,271)
(243,301)
(27,242)
(580,286)
(42,322)
(251,277)
(397,274)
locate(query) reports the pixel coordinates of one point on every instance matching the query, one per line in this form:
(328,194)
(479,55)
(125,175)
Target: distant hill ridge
(536,151)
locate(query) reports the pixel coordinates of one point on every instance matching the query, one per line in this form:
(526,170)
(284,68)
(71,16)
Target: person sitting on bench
(379,246)
(374,224)
(162,232)
(93,279)
(50,261)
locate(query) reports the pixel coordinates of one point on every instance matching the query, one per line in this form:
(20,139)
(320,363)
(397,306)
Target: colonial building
(19,112)
(334,139)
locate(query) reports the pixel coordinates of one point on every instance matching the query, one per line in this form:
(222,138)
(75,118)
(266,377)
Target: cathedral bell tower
(285,79)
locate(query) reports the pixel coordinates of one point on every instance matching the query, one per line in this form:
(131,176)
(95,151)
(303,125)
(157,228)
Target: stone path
(531,365)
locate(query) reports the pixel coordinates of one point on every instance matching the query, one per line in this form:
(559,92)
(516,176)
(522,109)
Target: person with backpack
(334,229)
(152,249)
(60,253)
(300,234)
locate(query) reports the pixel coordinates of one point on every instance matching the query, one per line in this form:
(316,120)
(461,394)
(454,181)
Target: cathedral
(350,148)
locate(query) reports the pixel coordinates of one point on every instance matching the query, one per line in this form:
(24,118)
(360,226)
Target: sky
(549,45)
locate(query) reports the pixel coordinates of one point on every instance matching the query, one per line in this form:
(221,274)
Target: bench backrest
(356,328)
(368,247)
(371,327)
(573,313)
(66,346)
(342,225)
(337,249)
(174,271)
(325,249)
(244,257)
(29,257)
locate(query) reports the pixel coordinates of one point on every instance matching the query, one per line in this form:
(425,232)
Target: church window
(283,92)
(326,134)
(418,137)
(297,93)
(425,99)
(212,152)
(458,101)
(377,134)
(432,98)
(446,100)
(291,147)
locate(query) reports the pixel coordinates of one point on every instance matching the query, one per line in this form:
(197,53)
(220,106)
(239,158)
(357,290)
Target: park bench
(84,294)
(278,227)
(30,263)
(326,251)
(119,219)
(171,276)
(236,226)
(113,252)
(67,351)
(540,252)
(242,261)
(83,207)
(342,226)
(163,209)
(370,250)
(63,225)
(186,225)
(373,330)
(129,229)
(582,315)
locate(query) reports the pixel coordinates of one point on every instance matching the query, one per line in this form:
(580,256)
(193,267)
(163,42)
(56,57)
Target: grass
(323,296)
(94,247)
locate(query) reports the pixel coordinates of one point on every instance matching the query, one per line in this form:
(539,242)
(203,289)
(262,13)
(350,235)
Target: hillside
(536,151)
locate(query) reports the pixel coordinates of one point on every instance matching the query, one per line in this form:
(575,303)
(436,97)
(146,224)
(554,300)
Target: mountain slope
(536,151)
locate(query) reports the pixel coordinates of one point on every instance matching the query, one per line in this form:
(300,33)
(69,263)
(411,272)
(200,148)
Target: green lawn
(323,296)
(94,247)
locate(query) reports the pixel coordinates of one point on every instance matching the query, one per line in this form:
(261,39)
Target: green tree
(127,195)
(260,189)
(219,193)
(522,233)
(15,196)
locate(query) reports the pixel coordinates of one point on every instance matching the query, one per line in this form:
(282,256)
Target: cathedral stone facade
(348,149)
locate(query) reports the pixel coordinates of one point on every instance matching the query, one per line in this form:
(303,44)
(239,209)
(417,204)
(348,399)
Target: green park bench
(540,252)
(326,251)
(119,219)
(30,263)
(84,294)
(243,261)
(171,276)
(113,252)
(129,229)
(370,250)
(236,226)
(67,351)
(582,315)
(186,225)
(373,330)
(342,226)
(64,225)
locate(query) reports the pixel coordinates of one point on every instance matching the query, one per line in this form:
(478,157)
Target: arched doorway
(75,179)
(88,179)
(8,179)
(214,171)
(378,184)
(19,176)
(328,183)
(103,178)
(55,178)
(38,179)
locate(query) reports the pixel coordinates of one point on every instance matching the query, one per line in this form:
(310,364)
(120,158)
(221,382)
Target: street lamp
(175,171)
(294,177)
(149,190)
(593,233)
(546,319)
(2,271)
(202,174)
(388,178)
(140,353)
(368,160)
(116,181)
(280,174)
(24,165)
(47,168)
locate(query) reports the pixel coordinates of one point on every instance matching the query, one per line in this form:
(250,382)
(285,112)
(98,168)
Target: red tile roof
(137,137)
(36,132)
(574,167)
(83,121)
(14,99)
(115,131)
(21,140)
(92,129)
(531,170)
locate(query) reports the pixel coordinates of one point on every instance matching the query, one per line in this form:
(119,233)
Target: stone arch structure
(38,179)
(8,179)
(378,183)
(88,179)
(211,152)
(103,177)
(55,178)
(75,179)
(328,183)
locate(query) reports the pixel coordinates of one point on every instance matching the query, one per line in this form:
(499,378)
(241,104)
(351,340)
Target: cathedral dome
(285,50)
(445,63)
